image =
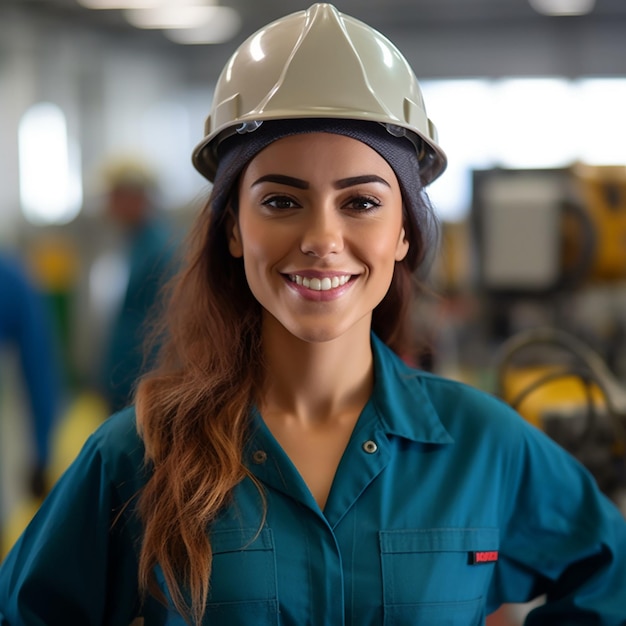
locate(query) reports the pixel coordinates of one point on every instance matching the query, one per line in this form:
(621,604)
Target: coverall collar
(403,406)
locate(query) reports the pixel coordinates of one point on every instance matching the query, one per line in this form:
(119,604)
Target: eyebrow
(359,180)
(282,180)
(343,183)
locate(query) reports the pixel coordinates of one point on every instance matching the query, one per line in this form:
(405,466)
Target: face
(320,230)
(128,206)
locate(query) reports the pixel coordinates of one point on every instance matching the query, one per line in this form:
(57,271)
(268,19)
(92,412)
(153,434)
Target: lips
(325,283)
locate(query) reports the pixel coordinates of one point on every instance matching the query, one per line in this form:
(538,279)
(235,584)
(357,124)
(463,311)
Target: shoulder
(410,395)
(118,447)
(452,399)
(8,266)
(119,431)
(450,393)
(468,413)
(158,237)
(480,421)
(13,276)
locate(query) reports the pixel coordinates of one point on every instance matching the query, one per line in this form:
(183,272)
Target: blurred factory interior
(529,100)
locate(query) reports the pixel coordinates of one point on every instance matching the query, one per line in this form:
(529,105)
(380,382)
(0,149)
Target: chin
(317,329)
(318,337)
(319,334)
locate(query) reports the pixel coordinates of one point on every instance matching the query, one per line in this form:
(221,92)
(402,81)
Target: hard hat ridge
(319,63)
(313,57)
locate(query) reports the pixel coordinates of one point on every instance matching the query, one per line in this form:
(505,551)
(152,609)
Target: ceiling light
(563,7)
(120,4)
(170,15)
(223,26)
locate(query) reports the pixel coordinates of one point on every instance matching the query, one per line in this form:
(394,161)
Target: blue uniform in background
(26,329)
(150,265)
(446,504)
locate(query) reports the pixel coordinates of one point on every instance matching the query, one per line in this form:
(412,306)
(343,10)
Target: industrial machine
(563,387)
(551,269)
(541,231)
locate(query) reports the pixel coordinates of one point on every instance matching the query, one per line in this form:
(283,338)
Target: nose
(323,233)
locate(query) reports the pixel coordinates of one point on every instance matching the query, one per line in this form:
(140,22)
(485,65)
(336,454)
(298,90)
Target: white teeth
(317,284)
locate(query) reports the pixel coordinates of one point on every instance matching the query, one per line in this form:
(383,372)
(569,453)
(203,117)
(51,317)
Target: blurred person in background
(131,191)
(283,465)
(26,330)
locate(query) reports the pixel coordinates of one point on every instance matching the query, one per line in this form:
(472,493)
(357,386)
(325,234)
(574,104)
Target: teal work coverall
(445,504)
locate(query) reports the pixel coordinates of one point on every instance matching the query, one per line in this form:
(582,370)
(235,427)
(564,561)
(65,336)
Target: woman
(297,471)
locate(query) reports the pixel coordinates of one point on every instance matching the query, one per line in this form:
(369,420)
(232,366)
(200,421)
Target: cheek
(263,245)
(258,248)
(383,248)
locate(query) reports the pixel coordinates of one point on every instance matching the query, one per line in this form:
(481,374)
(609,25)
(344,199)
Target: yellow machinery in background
(601,190)
(563,387)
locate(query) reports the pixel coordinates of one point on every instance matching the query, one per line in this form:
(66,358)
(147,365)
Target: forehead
(322,153)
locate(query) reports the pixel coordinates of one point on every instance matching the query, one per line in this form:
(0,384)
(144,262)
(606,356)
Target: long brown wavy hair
(192,411)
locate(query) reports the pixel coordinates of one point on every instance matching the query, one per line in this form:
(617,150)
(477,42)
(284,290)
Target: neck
(316,381)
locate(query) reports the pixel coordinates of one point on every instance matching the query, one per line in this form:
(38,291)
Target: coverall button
(370,446)
(259,457)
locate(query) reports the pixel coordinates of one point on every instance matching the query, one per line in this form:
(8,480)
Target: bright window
(49,167)
(533,122)
(521,123)
(601,128)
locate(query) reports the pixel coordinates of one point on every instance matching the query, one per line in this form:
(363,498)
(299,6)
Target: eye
(280,203)
(363,204)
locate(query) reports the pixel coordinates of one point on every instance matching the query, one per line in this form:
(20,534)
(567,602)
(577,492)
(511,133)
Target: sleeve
(76,562)
(562,538)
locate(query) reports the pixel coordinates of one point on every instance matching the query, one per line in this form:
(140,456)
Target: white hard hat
(319,63)
(127,170)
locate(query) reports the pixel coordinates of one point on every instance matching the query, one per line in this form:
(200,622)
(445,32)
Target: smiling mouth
(320,284)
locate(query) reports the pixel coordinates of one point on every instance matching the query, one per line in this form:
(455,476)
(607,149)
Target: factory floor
(17,506)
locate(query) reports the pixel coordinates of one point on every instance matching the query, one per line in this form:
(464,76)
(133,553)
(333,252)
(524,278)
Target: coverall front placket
(365,457)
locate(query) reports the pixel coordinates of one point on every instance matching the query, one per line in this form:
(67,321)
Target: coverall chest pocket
(243,579)
(438,577)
